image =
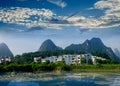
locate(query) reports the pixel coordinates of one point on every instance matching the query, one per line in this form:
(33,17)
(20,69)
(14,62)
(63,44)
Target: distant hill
(5,51)
(95,45)
(117,52)
(91,46)
(48,45)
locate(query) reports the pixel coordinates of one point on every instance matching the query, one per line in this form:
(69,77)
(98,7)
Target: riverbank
(97,68)
(33,67)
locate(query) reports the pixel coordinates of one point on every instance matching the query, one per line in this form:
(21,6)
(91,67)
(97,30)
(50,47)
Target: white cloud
(111,9)
(111,4)
(26,16)
(46,18)
(60,3)
(111,17)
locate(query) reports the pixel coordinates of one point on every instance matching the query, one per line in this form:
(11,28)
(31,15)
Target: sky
(25,24)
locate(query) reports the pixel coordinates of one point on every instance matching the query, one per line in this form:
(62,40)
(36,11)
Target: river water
(60,79)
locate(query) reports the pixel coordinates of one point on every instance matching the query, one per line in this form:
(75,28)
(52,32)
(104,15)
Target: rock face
(48,45)
(117,52)
(5,51)
(91,46)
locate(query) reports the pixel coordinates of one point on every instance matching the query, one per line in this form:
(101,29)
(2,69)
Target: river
(60,79)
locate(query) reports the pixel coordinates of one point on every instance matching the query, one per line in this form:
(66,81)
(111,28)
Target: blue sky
(25,24)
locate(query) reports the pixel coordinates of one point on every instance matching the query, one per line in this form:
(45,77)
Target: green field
(59,66)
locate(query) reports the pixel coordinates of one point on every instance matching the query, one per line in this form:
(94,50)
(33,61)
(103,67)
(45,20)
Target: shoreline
(59,71)
(36,68)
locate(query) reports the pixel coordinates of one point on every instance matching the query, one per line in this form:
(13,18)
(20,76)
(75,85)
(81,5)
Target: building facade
(71,59)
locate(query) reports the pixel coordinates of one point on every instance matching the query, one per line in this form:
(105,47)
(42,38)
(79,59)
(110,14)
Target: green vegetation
(24,63)
(58,66)
(104,55)
(33,67)
(28,57)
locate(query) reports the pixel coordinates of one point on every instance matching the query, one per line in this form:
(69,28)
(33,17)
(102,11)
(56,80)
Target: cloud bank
(111,17)
(48,19)
(26,16)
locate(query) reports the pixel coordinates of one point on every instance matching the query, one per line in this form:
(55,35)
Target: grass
(58,67)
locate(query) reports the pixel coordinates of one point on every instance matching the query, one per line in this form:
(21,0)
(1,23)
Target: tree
(83,61)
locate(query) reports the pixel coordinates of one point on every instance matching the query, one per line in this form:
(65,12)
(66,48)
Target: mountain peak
(93,40)
(87,41)
(92,46)
(96,39)
(48,40)
(1,44)
(96,42)
(5,51)
(48,45)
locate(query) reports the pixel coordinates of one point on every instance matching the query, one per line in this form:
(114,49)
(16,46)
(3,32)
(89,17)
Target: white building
(37,59)
(60,58)
(52,58)
(68,59)
(93,59)
(87,57)
(2,60)
(5,59)
(8,59)
(76,59)
(43,60)
(72,59)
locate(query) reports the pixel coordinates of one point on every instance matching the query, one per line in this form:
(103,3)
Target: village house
(52,58)
(5,59)
(70,59)
(43,60)
(37,59)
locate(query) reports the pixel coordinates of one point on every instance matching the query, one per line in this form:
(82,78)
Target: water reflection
(85,79)
(116,81)
(20,83)
(60,79)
